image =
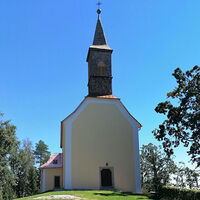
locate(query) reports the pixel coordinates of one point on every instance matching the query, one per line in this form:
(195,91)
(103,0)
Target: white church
(99,140)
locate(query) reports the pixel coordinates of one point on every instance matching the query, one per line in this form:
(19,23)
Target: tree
(195,178)
(8,142)
(156,167)
(18,175)
(189,177)
(32,183)
(24,164)
(179,175)
(42,154)
(186,177)
(183,115)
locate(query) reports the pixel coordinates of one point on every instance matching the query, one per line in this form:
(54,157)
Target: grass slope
(94,195)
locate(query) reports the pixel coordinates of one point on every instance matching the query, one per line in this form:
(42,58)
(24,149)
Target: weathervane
(99,10)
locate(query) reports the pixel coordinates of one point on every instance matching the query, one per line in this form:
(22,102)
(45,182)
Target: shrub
(174,193)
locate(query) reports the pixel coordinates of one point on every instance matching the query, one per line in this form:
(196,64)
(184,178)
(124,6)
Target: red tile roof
(56,161)
(107,97)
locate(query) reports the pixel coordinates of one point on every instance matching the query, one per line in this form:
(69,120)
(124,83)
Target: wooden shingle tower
(99,64)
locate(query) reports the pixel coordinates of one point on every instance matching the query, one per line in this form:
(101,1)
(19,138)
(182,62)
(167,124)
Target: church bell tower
(99,64)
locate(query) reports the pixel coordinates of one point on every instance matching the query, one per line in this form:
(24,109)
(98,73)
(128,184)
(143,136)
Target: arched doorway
(106,178)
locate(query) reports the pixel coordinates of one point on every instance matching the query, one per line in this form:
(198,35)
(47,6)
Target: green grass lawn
(95,195)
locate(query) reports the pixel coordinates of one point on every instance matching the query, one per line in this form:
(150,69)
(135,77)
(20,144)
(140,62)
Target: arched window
(101,69)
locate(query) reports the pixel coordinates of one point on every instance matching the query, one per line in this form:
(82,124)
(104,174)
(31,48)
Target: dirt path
(59,197)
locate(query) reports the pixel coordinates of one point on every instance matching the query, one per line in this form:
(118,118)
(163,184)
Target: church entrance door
(106,178)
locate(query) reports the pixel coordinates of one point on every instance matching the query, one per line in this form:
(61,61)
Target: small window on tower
(101,69)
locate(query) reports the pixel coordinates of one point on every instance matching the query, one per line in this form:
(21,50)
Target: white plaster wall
(81,171)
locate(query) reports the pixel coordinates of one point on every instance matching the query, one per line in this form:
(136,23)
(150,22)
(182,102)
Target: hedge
(174,193)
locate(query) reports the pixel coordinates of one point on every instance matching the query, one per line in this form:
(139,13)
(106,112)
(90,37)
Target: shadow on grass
(118,194)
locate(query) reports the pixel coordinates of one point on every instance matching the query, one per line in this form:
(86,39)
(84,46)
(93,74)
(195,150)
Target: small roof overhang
(99,48)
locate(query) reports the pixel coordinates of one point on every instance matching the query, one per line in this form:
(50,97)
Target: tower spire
(99,63)
(99,36)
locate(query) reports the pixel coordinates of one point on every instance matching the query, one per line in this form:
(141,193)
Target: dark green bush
(174,193)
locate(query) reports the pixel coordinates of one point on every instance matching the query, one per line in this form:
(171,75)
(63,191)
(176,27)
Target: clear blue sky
(43,49)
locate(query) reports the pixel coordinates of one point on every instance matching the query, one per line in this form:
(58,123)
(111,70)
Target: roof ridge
(50,164)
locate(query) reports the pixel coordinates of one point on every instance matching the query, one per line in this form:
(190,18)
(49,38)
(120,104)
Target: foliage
(191,177)
(1,197)
(173,193)
(8,142)
(42,154)
(25,163)
(156,167)
(32,183)
(18,175)
(186,177)
(96,195)
(183,118)
(179,175)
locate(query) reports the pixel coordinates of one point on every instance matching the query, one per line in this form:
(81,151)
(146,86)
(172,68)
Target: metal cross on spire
(99,10)
(99,4)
